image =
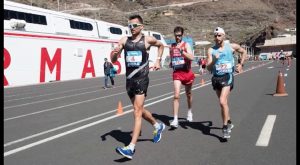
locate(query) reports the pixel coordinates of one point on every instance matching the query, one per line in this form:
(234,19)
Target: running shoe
(157,133)
(226,134)
(189,117)
(174,124)
(230,126)
(125,151)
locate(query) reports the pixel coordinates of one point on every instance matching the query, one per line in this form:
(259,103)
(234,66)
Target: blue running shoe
(157,133)
(125,151)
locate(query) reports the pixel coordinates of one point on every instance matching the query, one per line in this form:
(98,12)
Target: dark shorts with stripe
(218,82)
(137,86)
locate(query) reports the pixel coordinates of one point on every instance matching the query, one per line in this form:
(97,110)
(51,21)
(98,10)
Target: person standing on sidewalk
(221,62)
(107,69)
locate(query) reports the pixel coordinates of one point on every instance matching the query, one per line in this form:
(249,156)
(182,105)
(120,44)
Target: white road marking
(265,134)
(86,126)
(51,109)
(67,91)
(40,101)
(93,123)
(76,122)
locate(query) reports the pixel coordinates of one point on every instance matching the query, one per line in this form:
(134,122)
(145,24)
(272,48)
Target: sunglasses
(218,35)
(178,35)
(133,25)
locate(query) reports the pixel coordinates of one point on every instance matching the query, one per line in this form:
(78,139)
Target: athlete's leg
(177,85)
(188,92)
(138,105)
(223,100)
(148,116)
(289,61)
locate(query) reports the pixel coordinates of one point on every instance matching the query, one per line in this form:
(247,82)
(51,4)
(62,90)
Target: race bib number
(178,62)
(134,58)
(177,59)
(224,67)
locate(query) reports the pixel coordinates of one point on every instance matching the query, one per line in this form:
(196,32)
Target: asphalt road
(75,122)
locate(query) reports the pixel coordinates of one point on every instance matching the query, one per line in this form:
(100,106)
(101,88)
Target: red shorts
(186,77)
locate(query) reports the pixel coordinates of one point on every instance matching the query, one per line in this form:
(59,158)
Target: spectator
(200,66)
(203,65)
(107,70)
(282,57)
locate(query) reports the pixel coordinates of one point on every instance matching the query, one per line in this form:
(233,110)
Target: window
(81,25)
(115,30)
(36,18)
(157,36)
(21,16)
(28,17)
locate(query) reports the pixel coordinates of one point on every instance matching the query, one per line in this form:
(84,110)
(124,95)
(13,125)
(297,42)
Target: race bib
(134,58)
(175,52)
(224,67)
(177,60)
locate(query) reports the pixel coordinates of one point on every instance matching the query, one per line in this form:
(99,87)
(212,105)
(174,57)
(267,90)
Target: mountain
(244,21)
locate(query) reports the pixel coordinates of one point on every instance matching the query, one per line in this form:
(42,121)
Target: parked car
(265,56)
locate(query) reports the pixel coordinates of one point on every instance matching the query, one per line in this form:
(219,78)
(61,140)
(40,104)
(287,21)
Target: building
(284,42)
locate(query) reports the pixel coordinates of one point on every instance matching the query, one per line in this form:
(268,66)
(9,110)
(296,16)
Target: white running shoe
(230,126)
(189,117)
(226,134)
(174,124)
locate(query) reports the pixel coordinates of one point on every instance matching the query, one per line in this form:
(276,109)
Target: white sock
(175,118)
(131,146)
(156,125)
(189,111)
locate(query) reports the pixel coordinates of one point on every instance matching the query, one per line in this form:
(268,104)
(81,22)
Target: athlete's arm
(188,54)
(209,58)
(117,50)
(154,42)
(243,53)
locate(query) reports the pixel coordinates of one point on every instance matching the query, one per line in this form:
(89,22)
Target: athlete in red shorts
(181,59)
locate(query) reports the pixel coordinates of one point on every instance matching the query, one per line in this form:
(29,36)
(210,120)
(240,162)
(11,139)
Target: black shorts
(218,82)
(281,58)
(137,86)
(203,66)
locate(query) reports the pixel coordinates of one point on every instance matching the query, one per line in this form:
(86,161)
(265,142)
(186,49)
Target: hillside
(245,21)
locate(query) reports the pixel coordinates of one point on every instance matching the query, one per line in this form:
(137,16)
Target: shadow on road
(205,127)
(165,119)
(122,160)
(123,137)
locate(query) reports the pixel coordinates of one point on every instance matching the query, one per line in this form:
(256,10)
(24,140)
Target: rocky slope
(245,21)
